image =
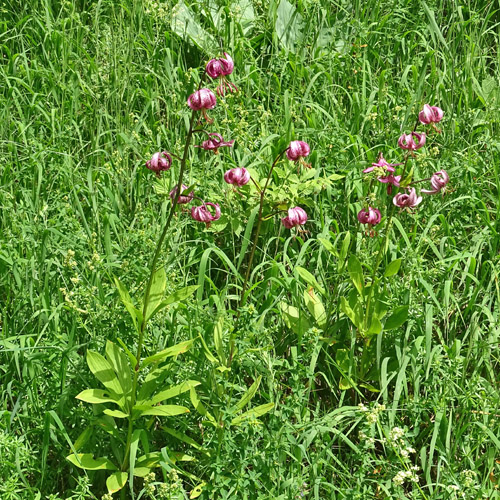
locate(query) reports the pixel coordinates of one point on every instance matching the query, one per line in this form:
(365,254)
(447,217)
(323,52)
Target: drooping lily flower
(382,163)
(215,142)
(297,150)
(296,217)
(390,180)
(201,100)
(237,176)
(430,114)
(182,199)
(370,216)
(438,182)
(407,141)
(159,162)
(220,68)
(407,200)
(203,214)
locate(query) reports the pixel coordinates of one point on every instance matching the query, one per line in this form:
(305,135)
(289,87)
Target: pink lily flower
(296,217)
(297,150)
(237,176)
(215,142)
(438,182)
(390,180)
(159,162)
(407,200)
(370,216)
(182,198)
(382,163)
(203,214)
(407,141)
(430,114)
(220,68)
(201,100)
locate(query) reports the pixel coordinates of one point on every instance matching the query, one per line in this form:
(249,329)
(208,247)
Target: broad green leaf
(343,252)
(247,397)
(185,25)
(131,357)
(179,456)
(83,438)
(172,392)
(156,292)
(288,25)
(316,307)
(86,461)
(355,314)
(121,366)
(356,273)
(197,491)
(375,327)
(169,352)
(397,318)
(160,411)
(328,246)
(116,481)
(177,296)
(309,279)
(392,268)
(96,396)
(199,406)
(145,463)
(219,347)
(254,413)
(104,372)
(135,314)
(343,361)
(116,413)
(294,320)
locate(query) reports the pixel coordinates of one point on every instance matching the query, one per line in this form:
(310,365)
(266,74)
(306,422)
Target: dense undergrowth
(91,89)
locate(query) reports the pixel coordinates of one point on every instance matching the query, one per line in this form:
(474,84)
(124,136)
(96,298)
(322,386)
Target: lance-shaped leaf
(356,273)
(177,296)
(309,279)
(116,413)
(135,314)
(294,319)
(160,411)
(156,292)
(173,391)
(169,352)
(397,318)
(88,462)
(247,397)
(195,401)
(315,306)
(96,396)
(219,346)
(120,363)
(256,412)
(104,372)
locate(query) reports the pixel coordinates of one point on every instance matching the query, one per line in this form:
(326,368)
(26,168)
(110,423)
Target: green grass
(90,89)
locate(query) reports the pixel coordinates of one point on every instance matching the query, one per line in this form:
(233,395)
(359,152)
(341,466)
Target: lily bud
(369,216)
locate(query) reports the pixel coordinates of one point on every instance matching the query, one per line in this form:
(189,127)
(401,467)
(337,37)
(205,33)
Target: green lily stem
(147,292)
(382,247)
(381,250)
(252,252)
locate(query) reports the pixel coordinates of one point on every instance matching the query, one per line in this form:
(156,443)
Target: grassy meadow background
(91,89)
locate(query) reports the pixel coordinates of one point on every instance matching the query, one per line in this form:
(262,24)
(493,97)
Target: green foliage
(343,375)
